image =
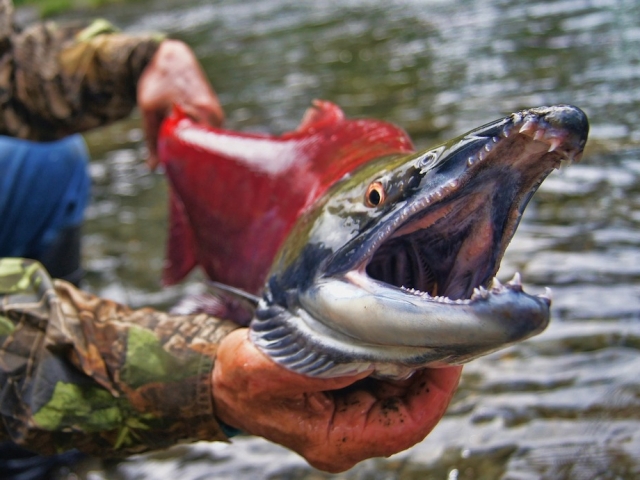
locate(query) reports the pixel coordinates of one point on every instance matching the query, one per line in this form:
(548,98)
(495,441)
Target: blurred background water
(565,404)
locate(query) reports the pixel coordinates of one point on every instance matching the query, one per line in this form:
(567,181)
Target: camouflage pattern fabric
(77,371)
(61,79)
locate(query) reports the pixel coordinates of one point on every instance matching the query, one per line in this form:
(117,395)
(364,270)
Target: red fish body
(235,196)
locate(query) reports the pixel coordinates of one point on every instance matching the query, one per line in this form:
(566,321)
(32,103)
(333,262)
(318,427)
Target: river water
(565,404)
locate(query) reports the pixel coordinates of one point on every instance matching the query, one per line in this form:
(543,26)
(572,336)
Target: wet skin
(333,423)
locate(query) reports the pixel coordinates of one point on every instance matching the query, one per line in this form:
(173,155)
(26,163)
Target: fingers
(439,383)
(208,110)
(429,396)
(333,423)
(238,355)
(174,77)
(151,120)
(385,420)
(202,106)
(182,81)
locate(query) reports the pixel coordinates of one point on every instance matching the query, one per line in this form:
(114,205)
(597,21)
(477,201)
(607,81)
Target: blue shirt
(44,188)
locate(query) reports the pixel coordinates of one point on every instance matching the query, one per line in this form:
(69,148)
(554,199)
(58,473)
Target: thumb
(151,121)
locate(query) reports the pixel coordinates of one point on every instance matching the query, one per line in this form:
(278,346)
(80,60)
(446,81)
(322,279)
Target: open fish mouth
(416,286)
(451,248)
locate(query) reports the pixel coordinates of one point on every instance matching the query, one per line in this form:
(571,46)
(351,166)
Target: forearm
(84,372)
(56,80)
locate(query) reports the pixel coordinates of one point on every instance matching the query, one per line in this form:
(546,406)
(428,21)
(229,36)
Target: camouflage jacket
(61,79)
(77,371)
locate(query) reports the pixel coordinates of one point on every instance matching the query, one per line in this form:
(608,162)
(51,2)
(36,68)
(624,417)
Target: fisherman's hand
(174,76)
(333,423)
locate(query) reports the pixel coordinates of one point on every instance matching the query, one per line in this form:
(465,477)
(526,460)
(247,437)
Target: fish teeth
(516,282)
(496,284)
(529,126)
(573,157)
(479,293)
(554,144)
(412,291)
(547,296)
(438,298)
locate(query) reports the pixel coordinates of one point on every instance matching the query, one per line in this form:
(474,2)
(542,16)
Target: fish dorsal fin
(320,115)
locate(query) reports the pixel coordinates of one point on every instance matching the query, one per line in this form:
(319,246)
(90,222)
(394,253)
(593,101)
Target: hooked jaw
(449,239)
(421,291)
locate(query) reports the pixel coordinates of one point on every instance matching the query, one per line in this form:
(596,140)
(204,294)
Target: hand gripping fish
(367,255)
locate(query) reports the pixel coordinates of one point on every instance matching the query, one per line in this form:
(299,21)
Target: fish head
(393,269)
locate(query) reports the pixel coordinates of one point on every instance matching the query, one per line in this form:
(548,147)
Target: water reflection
(563,405)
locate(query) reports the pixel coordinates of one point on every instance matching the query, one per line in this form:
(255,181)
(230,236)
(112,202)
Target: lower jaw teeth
(481,293)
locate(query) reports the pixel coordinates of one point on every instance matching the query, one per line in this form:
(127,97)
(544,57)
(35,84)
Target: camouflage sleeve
(77,371)
(61,79)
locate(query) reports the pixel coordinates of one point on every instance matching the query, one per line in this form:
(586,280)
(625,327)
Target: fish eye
(375,194)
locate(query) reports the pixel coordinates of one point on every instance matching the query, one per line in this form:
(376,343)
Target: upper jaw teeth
(482,293)
(531,127)
(536,128)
